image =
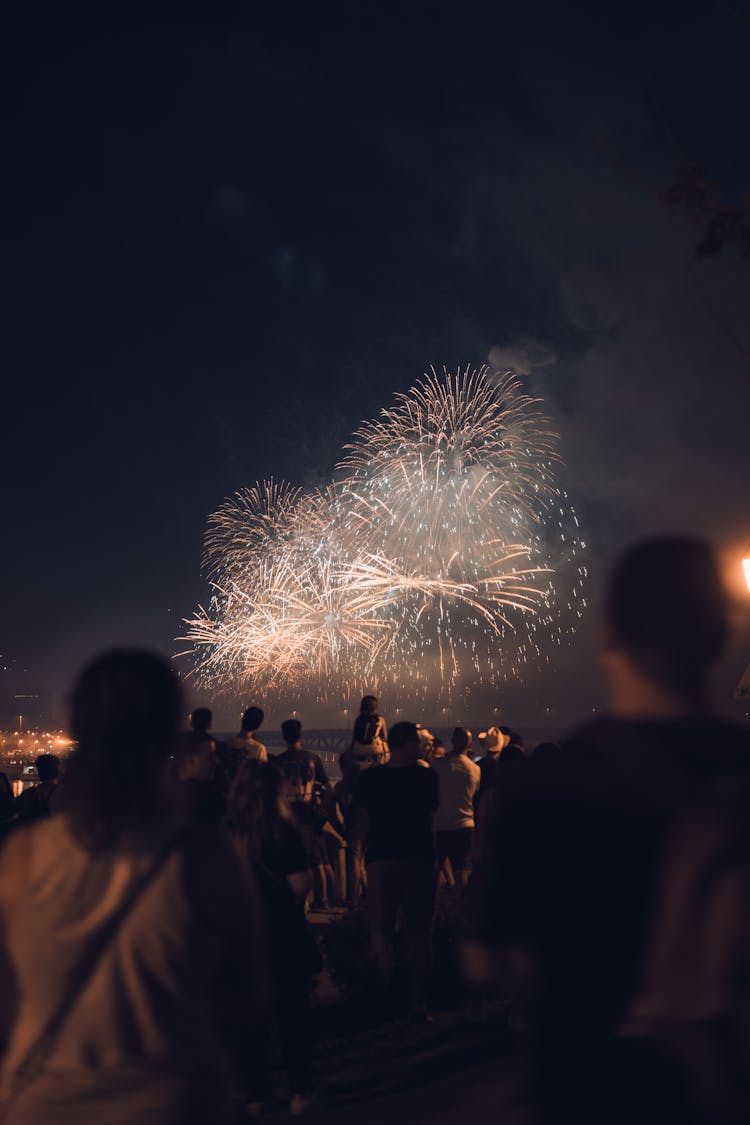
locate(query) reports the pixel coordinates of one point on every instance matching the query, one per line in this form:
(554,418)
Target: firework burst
(431,555)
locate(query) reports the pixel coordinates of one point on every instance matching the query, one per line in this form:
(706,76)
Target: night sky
(229,240)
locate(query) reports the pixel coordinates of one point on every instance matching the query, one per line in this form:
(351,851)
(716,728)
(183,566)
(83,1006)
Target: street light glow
(746,568)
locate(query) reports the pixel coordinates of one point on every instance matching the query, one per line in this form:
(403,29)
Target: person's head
(255,804)
(666,620)
(404,742)
(291,731)
(201,719)
(461,740)
(125,712)
(369,705)
(493,740)
(252,719)
(47,767)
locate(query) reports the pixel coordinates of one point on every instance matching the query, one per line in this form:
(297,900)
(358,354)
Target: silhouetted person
(199,797)
(34,803)
(201,721)
(458,780)
(265,837)
(127,934)
(399,800)
(370,735)
(572,854)
(353,764)
(296,756)
(8,816)
(245,745)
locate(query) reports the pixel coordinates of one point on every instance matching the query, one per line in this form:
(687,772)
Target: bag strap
(40,1049)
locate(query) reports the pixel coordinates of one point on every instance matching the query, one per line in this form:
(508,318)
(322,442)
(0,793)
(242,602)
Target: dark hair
(369,705)
(291,730)
(365,727)
(516,738)
(47,767)
(254,806)
(401,734)
(125,710)
(252,719)
(461,733)
(201,719)
(667,608)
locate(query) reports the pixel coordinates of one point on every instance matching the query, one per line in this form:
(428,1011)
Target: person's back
(295,757)
(400,803)
(149,1005)
(573,846)
(370,734)
(199,794)
(458,779)
(144,997)
(245,746)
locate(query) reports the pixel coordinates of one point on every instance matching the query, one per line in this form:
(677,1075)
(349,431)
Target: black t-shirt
(400,804)
(572,852)
(291,760)
(283,852)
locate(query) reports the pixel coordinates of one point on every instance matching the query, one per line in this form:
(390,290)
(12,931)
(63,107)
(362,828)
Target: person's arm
(327,829)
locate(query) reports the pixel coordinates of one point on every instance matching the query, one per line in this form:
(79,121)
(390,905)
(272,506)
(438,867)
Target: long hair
(255,811)
(125,710)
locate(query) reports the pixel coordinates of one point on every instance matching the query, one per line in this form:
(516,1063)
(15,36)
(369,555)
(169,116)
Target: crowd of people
(155,897)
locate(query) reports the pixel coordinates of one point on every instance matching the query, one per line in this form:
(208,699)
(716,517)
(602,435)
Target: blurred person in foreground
(124,934)
(263,833)
(399,801)
(563,887)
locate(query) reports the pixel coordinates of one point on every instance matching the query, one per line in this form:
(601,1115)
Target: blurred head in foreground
(666,621)
(125,711)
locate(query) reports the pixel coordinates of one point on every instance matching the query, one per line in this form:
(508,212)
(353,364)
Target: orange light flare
(746,572)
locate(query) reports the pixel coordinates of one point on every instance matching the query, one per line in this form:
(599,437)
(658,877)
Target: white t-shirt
(250,747)
(458,778)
